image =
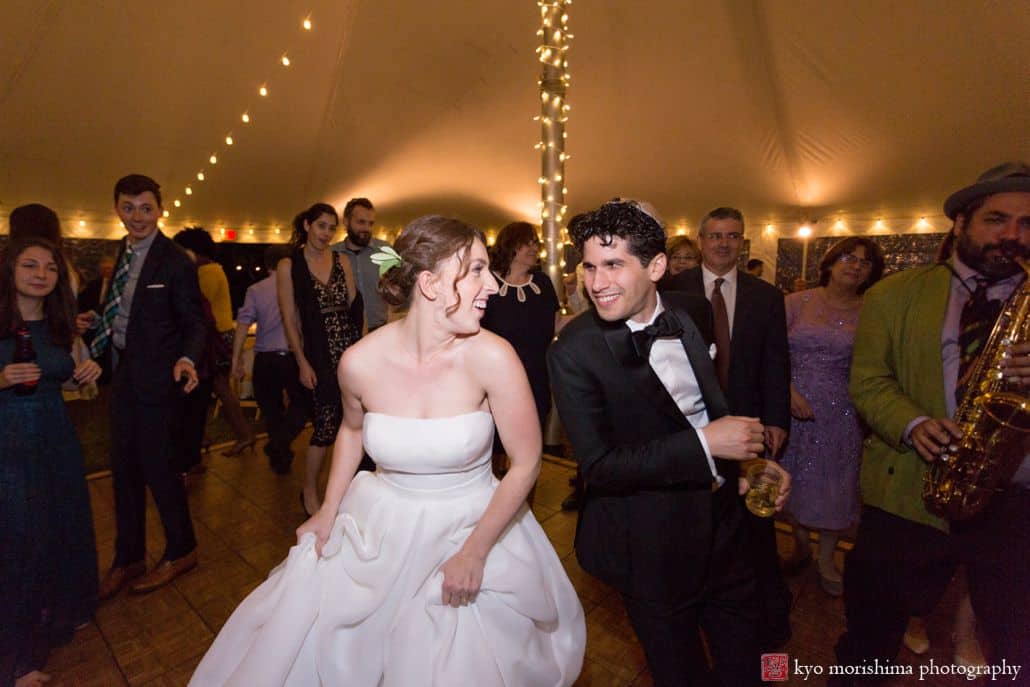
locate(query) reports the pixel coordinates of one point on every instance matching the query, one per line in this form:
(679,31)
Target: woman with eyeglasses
(683,254)
(825,446)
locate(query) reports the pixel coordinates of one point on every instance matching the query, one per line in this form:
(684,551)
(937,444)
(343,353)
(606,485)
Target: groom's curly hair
(630,220)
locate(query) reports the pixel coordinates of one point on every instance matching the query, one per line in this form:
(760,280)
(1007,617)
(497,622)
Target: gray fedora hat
(1005,178)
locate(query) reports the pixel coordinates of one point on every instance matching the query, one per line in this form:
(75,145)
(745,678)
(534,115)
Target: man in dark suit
(151,330)
(94,293)
(753,364)
(638,396)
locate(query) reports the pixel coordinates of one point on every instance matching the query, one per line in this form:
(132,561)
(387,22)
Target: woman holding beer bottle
(48,565)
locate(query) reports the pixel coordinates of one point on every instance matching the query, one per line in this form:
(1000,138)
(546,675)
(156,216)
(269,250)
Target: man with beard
(918,333)
(359,216)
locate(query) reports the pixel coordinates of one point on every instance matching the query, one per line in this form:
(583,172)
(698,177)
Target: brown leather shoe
(165,572)
(117,577)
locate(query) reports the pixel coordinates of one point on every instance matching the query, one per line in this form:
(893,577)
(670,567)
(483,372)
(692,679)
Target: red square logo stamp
(774,667)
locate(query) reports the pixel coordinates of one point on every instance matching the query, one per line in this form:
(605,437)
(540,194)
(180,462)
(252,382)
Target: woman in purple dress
(825,447)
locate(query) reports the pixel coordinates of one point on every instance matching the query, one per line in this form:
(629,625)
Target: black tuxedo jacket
(759,380)
(166,322)
(645,525)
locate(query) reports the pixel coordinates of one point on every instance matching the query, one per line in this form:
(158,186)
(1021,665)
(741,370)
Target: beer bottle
(24,352)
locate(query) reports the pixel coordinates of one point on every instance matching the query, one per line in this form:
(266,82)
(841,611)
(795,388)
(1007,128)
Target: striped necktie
(113,303)
(975,324)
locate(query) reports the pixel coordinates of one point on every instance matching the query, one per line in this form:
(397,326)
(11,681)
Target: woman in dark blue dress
(48,564)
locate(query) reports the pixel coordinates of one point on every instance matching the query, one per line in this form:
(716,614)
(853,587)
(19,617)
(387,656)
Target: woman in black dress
(48,561)
(525,310)
(316,299)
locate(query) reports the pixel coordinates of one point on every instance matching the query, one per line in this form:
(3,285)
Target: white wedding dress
(369,612)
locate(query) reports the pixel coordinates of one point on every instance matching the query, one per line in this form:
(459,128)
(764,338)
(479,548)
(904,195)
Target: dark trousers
(668,629)
(142,457)
(899,567)
(189,436)
(774,597)
(274,374)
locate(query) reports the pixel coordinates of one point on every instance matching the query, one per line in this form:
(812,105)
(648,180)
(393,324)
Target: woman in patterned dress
(316,294)
(825,447)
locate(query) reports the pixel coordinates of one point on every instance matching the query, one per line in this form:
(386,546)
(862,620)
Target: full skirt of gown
(369,612)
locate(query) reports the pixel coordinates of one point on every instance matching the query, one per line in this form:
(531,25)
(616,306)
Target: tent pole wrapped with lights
(554,80)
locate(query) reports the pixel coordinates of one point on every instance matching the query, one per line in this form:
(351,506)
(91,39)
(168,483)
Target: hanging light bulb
(200,176)
(166,213)
(263,91)
(285,60)
(189,191)
(245,118)
(177,203)
(306,23)
(228,140)
(213,159)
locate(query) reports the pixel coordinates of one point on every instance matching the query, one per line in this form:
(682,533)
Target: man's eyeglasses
(852,259)
(719,236)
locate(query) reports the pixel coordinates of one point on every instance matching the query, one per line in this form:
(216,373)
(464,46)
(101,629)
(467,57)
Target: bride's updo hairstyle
(423,245)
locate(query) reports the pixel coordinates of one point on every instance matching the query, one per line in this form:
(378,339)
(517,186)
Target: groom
(638,394)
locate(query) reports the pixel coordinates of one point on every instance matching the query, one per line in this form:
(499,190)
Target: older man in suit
(919,335)
(753,362)
(638,395)
(151,330)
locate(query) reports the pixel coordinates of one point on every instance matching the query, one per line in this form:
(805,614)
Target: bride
(428,571)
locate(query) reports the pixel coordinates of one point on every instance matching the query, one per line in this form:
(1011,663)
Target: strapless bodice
(430,453)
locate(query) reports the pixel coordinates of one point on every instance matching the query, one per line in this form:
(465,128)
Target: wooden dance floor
(245,517)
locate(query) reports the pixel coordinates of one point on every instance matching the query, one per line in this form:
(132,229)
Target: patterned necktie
(665,325)
(721,321)
(113,302)
(975,325)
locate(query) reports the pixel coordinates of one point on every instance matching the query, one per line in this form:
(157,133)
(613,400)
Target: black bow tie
(664,326)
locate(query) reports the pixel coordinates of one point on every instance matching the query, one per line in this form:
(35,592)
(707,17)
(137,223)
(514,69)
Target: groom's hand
(735,437)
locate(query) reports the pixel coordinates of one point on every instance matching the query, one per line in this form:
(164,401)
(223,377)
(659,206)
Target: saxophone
(994,417)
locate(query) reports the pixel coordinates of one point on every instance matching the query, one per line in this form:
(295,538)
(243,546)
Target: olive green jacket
(897,375)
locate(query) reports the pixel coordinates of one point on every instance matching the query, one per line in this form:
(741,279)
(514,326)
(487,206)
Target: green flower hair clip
(387,258)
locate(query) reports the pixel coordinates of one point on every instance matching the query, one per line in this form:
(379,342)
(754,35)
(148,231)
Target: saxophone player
(918,333)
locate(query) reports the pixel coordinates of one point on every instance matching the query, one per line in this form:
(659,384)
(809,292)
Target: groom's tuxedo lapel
(650,389)
(701,363)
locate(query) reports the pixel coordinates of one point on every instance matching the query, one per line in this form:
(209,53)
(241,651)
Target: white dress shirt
(670,363)
(729,290)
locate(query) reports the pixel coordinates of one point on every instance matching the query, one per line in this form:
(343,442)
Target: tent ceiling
(789,110)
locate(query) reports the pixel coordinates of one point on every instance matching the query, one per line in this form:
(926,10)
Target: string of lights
(554,114)
(246,118)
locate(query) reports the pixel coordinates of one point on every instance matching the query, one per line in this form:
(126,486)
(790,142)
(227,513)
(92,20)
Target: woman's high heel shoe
(239,447)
